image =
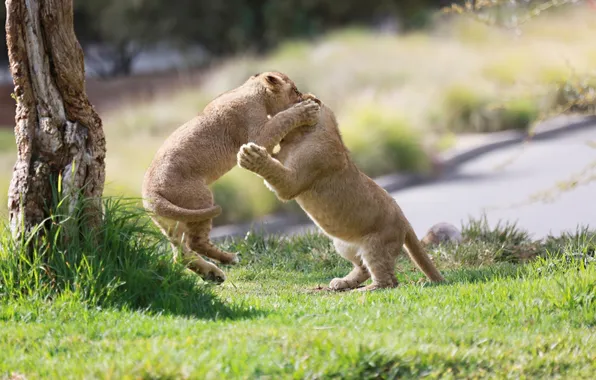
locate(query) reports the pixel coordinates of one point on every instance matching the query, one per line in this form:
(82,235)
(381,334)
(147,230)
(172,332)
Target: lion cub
(175,188)
(367,226)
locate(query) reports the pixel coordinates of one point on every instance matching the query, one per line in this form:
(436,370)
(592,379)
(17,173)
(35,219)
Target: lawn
(494,318)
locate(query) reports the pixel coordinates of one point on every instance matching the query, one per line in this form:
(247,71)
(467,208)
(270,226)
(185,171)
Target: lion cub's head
(280,91)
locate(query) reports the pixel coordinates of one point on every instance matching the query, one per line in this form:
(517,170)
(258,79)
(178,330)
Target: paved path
(504,194)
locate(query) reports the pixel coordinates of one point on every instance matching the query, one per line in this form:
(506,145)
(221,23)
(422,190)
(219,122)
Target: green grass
(125,310)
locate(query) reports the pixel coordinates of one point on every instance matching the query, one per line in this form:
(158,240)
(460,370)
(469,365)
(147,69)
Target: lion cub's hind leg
(198,240)
(359,273)
(379,258)
(177,234)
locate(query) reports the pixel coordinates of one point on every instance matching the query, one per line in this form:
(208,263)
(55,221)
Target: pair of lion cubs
(312,166)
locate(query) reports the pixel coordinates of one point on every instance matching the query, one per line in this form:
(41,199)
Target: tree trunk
(59,135)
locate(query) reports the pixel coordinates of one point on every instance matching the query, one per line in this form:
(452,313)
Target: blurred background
(406,79)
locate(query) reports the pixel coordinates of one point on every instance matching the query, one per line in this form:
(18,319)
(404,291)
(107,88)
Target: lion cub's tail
(420,257)
(164,208)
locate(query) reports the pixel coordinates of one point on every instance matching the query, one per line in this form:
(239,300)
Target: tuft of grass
(579,245)
(485,245)
(509,242)
(577,292)
(124,263)
(502,233)
(470,254)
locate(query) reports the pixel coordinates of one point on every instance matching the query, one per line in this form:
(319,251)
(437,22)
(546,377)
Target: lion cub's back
(202,148)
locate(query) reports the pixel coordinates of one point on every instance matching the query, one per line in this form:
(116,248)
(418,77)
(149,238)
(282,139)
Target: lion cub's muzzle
(309,96)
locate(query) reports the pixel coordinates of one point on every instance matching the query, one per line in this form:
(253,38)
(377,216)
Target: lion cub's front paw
(308,111)
(252,156)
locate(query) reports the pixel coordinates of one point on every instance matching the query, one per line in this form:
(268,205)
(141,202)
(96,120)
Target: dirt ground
(109,93)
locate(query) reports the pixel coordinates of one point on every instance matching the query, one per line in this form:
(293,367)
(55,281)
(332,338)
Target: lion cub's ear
(273,80)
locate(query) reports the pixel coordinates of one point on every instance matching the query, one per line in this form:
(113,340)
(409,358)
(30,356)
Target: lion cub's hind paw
(252,156)
(373,286)
(339,284)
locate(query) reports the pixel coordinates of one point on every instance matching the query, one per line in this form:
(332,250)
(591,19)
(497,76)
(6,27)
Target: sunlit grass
(114,305)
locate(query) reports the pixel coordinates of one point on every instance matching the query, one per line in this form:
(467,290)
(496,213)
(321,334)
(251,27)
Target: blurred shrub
(242,196)
(576,95)
(466,110)
(462,108)
(382,142)
(518,113)
(7,140)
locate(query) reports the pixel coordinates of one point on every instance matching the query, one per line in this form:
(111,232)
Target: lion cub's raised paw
(252,156)
(308,111)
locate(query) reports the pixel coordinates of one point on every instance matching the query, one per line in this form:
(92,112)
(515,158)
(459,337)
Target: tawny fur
(175,187)
(367,226)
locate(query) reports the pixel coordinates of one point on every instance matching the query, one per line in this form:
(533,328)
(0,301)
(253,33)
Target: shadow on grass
(123,263)
(165,292)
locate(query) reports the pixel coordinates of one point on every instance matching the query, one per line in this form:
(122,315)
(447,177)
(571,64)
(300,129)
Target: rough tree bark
(58,133)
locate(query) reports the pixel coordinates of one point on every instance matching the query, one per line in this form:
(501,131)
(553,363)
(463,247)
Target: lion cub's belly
(343,217)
